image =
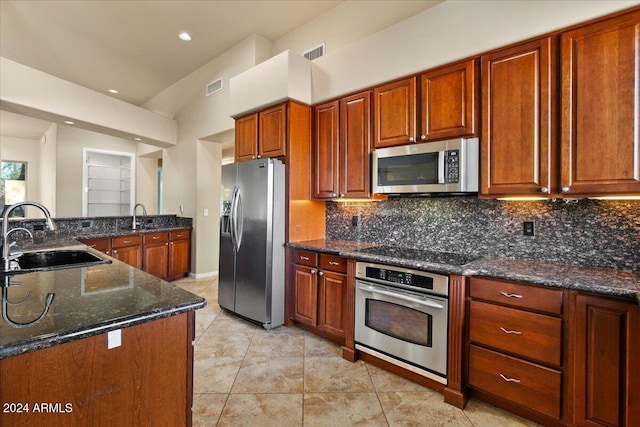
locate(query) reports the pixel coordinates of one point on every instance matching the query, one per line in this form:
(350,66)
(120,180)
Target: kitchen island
(114,345)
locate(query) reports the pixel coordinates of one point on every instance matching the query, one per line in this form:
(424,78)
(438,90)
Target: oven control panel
(413,279)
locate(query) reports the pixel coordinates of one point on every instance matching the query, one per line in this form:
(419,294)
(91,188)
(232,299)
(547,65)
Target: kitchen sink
(57,259)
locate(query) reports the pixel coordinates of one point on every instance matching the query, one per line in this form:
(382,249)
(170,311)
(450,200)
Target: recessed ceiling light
(69,122)
(138,139)
(185,36)
(113,91)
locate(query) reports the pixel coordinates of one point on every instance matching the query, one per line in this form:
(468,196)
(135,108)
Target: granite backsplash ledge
(596,233)
(96,226)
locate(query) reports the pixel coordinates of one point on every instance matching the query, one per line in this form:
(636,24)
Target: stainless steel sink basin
(57,259)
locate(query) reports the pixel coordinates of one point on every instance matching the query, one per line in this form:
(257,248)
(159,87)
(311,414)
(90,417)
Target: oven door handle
(425,302)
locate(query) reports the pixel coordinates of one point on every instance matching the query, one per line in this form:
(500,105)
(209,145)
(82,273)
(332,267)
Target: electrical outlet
(38,227)
(85,224)
(528,228)
(355,220)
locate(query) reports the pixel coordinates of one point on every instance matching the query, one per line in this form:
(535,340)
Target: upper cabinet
(395,113)
(342,147)
(586,78)
(262,134)
(517,119)
(448,106)
(601,107)
(449,101)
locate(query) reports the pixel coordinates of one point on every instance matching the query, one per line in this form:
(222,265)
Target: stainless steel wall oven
(402,316)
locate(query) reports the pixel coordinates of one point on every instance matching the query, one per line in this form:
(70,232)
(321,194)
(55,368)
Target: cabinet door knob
(509,380)
(259,156)
(423,137)
(544,190)
(321,273)
(341,194)
(566,189)
(314,271)
(411,139)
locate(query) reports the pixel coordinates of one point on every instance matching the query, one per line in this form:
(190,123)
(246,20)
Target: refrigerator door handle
(239,218)
(232,219)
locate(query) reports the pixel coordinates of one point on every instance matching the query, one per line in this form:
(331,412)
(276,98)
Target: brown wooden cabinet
(325,150)
(148,380)
(179,254)
(600,108)
(321,294)
(516,346)
(606,371)
(128,249)
(449,101)
(155,248)
(395,120)
(518,125)
(102,244)
(262,134)
(342,147)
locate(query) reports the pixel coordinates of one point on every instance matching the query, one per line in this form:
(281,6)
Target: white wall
(48,168)
(449,31)
(70,142)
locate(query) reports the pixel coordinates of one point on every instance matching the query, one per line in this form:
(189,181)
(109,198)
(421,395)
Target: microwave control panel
(452,166)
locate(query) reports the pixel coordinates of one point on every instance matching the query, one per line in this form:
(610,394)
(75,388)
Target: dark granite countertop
(87,301)
(603,281)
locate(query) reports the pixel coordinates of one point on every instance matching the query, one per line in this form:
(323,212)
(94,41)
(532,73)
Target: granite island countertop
(87,301)
(620,283)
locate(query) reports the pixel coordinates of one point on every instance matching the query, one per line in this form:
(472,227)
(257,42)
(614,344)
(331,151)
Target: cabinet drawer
(151,238)
(526,334)
(333,263)
(101,245)
(517,295)
(303,257)
(533,386)
(124,241)
(179,235)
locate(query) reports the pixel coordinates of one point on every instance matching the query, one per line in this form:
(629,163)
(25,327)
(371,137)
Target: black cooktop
(420,255)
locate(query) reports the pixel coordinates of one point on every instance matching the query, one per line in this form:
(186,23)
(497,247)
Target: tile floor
(247,376)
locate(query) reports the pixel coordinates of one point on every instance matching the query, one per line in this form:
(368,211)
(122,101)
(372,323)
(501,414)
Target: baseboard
(203,275)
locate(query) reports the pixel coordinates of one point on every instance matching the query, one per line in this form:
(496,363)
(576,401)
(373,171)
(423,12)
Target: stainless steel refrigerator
(251,271)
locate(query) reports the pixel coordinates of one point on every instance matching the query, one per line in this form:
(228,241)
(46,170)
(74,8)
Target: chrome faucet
(7,257)
(135,221)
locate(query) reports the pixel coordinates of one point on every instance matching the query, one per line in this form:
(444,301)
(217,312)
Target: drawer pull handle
(304,258)
(333,263)
(127,241)
(509,380)
(508,295)
(155,237)
(507,331)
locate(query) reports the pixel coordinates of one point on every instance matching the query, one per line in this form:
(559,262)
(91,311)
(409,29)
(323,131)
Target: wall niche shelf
(108,183)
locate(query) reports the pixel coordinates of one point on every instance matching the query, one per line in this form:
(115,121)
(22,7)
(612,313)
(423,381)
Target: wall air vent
(314,53)
(213,87)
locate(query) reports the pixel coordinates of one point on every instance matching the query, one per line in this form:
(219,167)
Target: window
(14,177)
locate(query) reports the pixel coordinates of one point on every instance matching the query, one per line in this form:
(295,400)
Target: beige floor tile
(214,375)
(334,374)
(215,344)
(228,323)
(270,375)
(385,381)
(203,321)
(343,409)
(421,408)
(207,408)
(482,414)
(316,346)
(264,410)
(276,345)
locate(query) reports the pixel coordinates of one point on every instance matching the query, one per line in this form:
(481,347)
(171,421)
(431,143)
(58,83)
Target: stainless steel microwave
(432,167)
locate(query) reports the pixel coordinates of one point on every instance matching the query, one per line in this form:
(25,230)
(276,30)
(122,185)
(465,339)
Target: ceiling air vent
(214,86)
(314,53)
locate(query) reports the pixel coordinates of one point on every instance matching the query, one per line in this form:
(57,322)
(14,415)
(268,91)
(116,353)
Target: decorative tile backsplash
(595,233)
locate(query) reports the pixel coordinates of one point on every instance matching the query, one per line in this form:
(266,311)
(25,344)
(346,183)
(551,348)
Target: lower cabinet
(164,254)
(606,362)
(320,294)
(128,249)
(515,346)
